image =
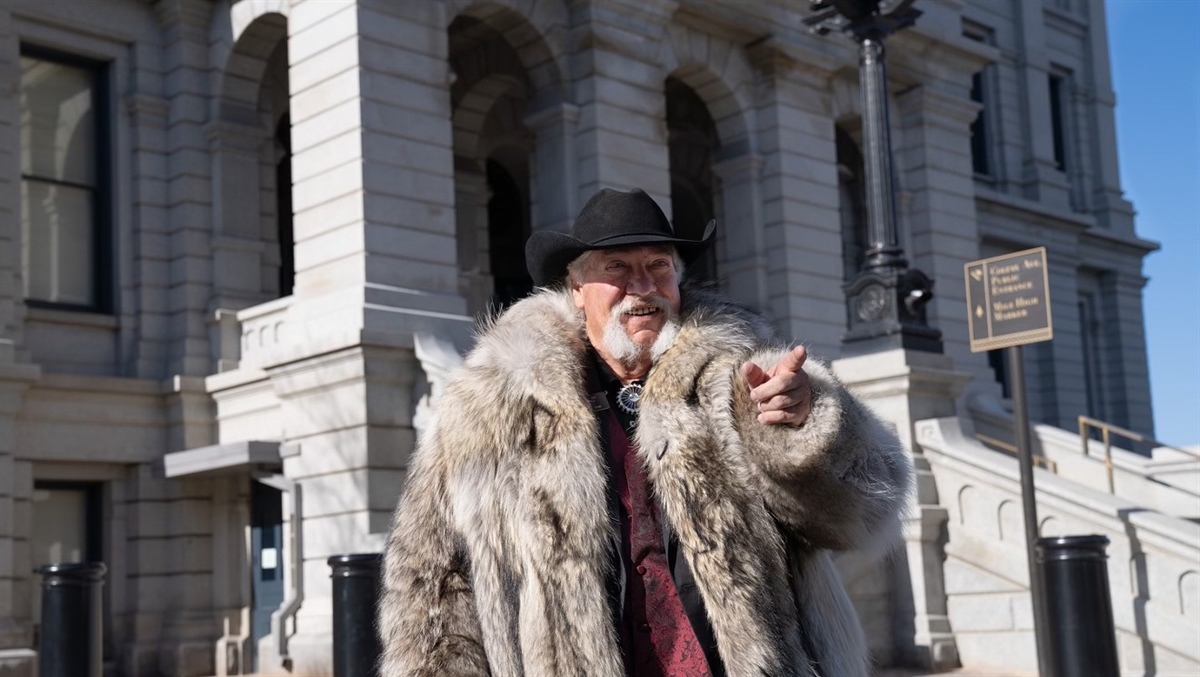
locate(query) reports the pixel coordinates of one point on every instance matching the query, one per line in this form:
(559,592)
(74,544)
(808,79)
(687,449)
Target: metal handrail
(1106,430)
(1012,449)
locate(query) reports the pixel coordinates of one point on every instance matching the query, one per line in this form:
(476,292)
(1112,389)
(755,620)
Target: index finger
(793,361)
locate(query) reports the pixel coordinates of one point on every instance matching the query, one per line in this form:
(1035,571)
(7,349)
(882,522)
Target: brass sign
(1008,300)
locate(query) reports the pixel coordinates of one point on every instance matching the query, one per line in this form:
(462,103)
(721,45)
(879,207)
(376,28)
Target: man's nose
(641,282)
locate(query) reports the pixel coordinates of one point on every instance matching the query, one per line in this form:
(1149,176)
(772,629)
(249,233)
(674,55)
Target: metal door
(266,547)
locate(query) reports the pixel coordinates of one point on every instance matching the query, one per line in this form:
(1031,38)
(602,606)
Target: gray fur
(501,546)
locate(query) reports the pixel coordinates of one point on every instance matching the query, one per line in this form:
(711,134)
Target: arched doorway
(693,142)
(492,150)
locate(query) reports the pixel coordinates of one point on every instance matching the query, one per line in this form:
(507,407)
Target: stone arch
(255,34)
(692,145)
(1009,521)
(249,139)
(1052,526)
(1189,593)
(471,111)
(975,512)
(504,71)
(537,31)
(718,73)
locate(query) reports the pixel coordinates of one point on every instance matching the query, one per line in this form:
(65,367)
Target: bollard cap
(1091,546)
(357,564)
(66,573)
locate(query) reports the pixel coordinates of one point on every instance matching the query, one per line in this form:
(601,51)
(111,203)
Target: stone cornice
(1083,225)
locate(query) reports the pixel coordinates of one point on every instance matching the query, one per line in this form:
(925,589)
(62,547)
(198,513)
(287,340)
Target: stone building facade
(241,241)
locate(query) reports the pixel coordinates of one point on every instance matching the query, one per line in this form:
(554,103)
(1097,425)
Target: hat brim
(547,253)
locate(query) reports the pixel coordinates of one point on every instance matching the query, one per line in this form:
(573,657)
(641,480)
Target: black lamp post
(887,299)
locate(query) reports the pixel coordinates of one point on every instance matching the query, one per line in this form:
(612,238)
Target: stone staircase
(1150,521)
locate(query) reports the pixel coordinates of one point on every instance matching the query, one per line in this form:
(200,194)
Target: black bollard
(1081,638)
(72,632)
(355,591)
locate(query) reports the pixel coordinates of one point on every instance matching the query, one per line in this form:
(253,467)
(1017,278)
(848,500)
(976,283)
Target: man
(627,477)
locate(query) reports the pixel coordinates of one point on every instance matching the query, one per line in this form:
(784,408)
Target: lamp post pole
(887,299)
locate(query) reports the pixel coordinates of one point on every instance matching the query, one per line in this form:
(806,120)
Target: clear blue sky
(1155,48)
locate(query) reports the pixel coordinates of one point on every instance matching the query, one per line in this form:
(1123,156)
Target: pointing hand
(783,393)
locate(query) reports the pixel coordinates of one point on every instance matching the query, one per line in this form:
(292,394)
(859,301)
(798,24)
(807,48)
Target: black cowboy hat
(610,219)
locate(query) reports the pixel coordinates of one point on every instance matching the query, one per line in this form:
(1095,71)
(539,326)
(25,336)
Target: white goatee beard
(620,345)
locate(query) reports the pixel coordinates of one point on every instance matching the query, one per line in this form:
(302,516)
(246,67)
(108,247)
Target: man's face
(635,289)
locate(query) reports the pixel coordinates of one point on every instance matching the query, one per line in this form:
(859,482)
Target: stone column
(802,238)
(147,307)
(375,232)
(231,588)
(554,202)
(904,387)
(1040,178)
(1124,368)
(12,306)
(17,655)
(376,263)
(621,141)
(934,158)
(1112,210)
(184,26)
(348,416)
(165,575)
(471,195)
(745,264)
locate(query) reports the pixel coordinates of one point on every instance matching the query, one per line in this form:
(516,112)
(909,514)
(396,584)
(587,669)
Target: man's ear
(576,293)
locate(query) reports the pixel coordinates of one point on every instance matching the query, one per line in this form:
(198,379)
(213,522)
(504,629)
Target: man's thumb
(754,374)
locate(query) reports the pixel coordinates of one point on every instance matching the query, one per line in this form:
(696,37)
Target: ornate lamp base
(887,310)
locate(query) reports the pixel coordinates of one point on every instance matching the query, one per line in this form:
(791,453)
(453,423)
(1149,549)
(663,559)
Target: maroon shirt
(656,633)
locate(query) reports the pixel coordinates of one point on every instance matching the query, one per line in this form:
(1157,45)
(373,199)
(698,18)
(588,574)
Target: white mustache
(631,305)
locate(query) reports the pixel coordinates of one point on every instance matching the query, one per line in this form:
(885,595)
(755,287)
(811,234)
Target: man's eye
(615,265)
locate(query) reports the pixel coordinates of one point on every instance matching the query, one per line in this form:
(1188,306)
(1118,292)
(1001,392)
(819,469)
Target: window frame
(1058,82)
(982,83)
(103,265)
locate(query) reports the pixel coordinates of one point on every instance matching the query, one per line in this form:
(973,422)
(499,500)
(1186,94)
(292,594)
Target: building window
(1089,332)
(979,143)
(65,256)
(1058,123)
(981,161)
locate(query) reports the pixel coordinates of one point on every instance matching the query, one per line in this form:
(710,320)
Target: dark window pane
(1056,121)
(979,144)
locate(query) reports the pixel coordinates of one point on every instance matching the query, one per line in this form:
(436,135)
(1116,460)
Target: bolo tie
(629,397)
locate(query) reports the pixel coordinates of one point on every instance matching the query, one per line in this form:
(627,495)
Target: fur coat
(501,548)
